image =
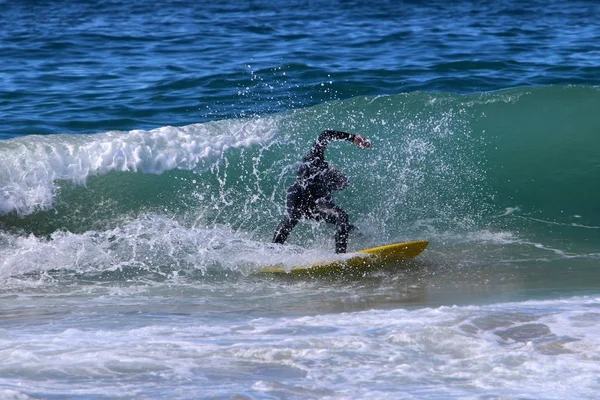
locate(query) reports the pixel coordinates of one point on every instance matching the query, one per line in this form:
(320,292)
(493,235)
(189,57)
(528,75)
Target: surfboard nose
(397,251)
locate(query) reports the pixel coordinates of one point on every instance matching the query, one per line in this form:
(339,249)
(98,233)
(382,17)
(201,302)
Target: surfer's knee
(284,229)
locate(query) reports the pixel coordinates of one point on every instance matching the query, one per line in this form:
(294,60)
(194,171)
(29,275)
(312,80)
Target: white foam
(8,394)
(510,211)
(152,242)
(32,165)
(538,349)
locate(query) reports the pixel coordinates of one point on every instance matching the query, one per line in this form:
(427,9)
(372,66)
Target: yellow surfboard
(361,262)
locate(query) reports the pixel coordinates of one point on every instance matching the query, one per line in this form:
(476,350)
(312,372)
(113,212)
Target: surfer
(310,196)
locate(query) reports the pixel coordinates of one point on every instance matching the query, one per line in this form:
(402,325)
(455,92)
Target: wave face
(521,160)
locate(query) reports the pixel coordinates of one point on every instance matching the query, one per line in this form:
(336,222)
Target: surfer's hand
(362,142)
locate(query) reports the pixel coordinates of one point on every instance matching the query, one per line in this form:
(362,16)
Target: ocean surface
(145,152)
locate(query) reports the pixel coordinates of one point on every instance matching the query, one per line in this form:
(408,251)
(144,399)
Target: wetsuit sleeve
(320,145)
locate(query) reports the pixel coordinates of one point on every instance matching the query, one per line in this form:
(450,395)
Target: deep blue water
(88,67)
(145,152)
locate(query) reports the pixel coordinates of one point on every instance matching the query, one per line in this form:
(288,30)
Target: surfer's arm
(328,135)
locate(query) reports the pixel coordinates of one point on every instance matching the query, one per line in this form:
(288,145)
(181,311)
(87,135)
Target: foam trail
(153,243)
(32,165)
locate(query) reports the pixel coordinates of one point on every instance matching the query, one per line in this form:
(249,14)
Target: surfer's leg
(294,213)
(284,229)
(339,217)
(341,235)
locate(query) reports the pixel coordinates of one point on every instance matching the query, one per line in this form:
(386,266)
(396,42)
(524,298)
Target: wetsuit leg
(335,215)
(284,229)
(296,207)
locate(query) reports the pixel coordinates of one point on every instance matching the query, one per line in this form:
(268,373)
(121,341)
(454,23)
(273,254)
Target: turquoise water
(146,150)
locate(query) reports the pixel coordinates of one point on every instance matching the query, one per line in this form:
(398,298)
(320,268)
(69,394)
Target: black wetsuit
(310,196)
